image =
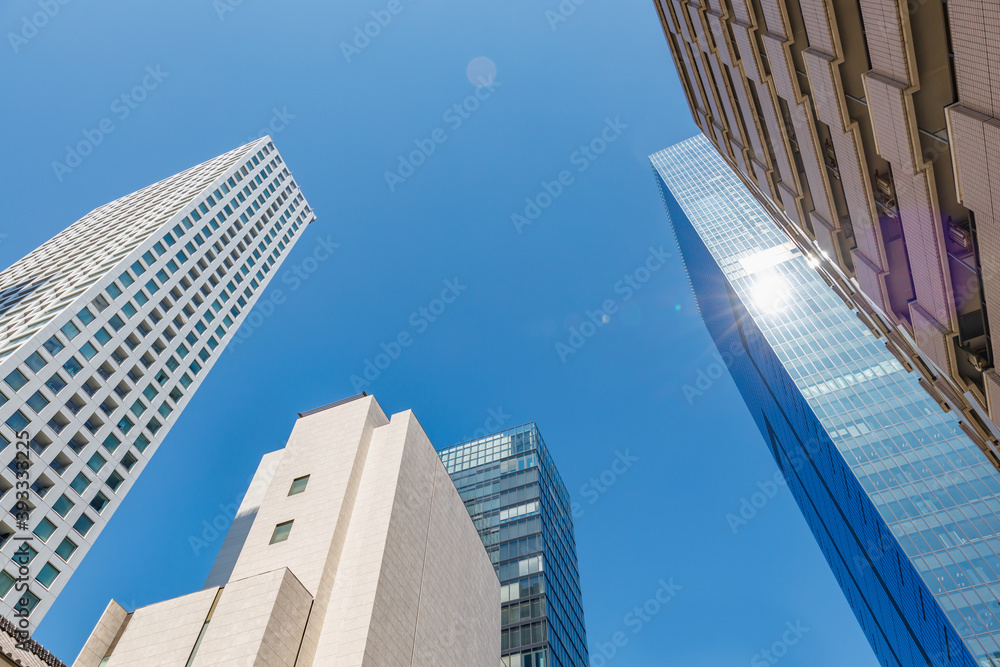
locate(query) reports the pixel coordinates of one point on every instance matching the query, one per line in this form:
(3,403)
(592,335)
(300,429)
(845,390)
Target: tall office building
(351,548)
(106,331)
(869,127)
(901,501)
(524,515)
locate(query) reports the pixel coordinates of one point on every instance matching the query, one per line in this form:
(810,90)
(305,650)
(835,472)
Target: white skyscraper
(352,547)
(106,331)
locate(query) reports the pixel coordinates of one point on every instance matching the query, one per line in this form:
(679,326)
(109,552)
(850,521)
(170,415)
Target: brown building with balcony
(870,130)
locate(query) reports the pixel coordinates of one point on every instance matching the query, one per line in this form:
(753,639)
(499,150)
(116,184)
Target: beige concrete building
(869,129)
(351,547)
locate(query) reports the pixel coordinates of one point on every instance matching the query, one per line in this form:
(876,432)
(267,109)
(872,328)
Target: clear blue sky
(494,348)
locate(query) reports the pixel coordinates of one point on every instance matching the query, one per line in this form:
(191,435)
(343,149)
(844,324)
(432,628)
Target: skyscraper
(870,128)
(903,504)
(351,548)
(106,331)
(520,506)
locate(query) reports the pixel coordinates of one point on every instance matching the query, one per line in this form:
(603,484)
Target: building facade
(868,129)
(901,501)
(106,331)
(523,513)
(351,547)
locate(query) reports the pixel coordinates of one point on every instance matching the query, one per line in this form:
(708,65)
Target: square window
(63,506)
(141,443)
(126,279)
(150,392)
(44,529)
(114,291)
(16,379)
(129,309)
(100,303)
(35,362)
(99,502)
(85,316)
(37,402)
(6,583)
(18,421)
(154,425)
(103,336)
(73,366)
(53,345)
(114,481)
(165,410)
(88,351)
(80,483)
(65,549)
(298,486)
(27,603)
(128,461)
(116,323)
(141,298)
(96,462)
(111,443)
(55,384)
(172,364)
(176,394)
(138,408)
(125,425)
(186,380)
(83,525)
(281,532)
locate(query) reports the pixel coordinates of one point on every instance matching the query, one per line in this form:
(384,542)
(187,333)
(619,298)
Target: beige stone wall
(382,567)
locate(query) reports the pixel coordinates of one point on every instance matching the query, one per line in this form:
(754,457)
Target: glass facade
(904,506)
(521,509)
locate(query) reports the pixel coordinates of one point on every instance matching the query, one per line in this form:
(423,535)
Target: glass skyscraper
(904,506)
(522,511)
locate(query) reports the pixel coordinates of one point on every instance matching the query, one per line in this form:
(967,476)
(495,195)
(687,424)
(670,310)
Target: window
(32,602)
(114,291)
(88,351)
(37,402)
(103,336)
(63,506)
(47,575)
(99,502)
(80,483)
(85,316)
(83,525)
(35,362)
(56,384)
(44,529)
(111,443)
(18,421)
(114,481)
(16,380)
(281,532)
(65,549)
(53,345)
(96,462)
(73,366)
(128,461)
(298,486)
(6,583)
(141,443)
(154,425)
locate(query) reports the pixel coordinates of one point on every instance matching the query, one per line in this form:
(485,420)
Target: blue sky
(341,122)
